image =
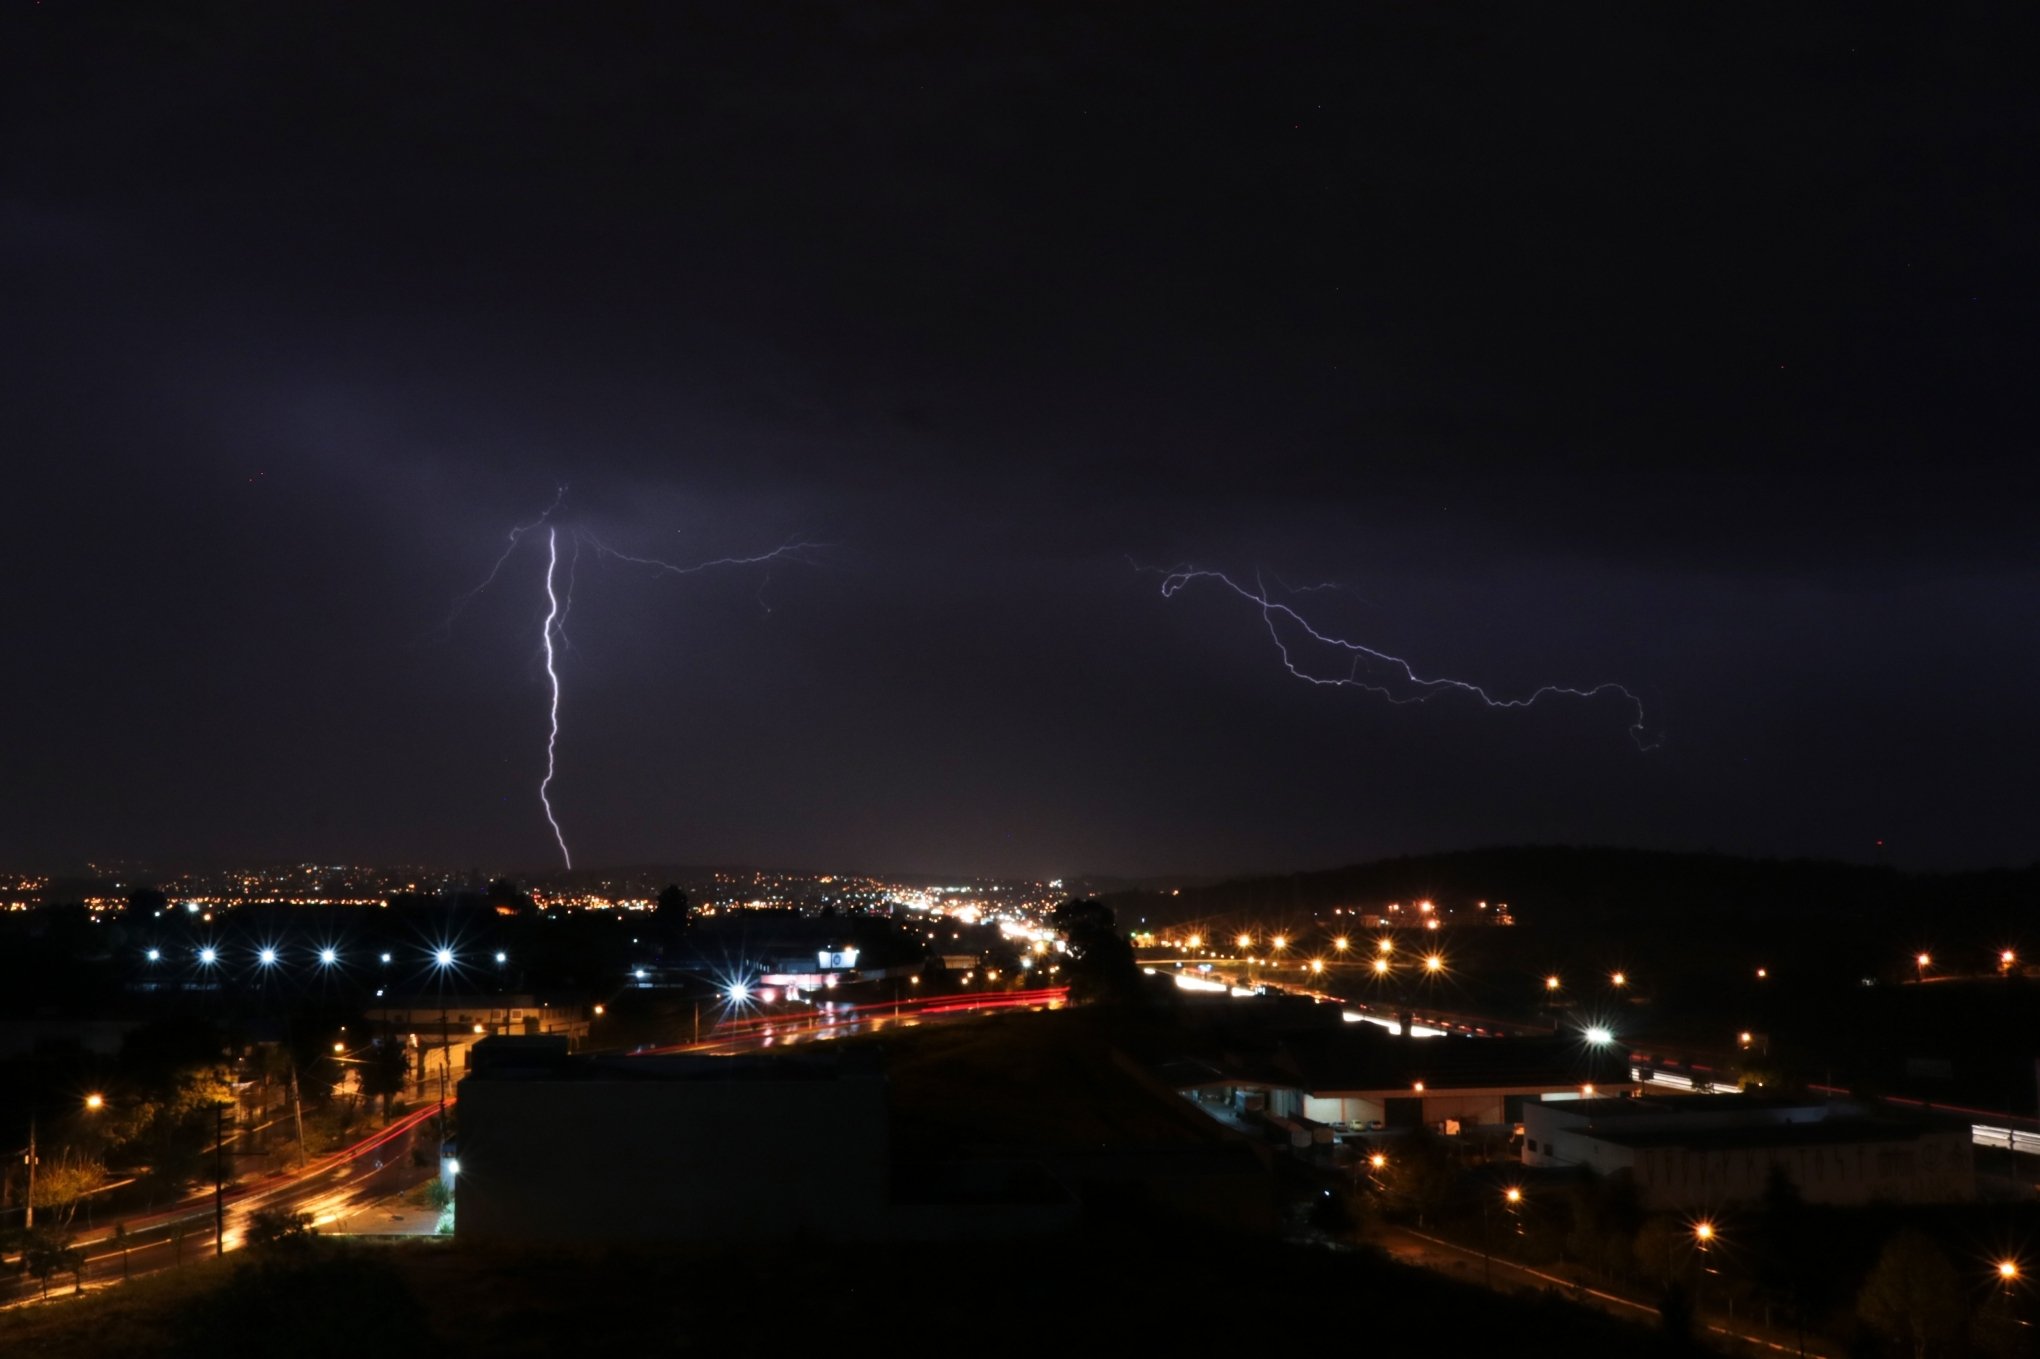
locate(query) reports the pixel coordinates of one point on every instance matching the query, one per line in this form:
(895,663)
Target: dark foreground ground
(1117,1286)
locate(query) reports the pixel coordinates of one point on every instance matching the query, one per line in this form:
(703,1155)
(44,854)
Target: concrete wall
(687,1160)
(1342,1109)
(1937,1167)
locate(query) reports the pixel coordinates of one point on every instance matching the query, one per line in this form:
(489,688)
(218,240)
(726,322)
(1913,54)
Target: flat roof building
(1696,1151)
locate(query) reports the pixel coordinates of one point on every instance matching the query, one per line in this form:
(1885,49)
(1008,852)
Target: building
(678,1148)
(1704,1151)
(436,1029)
(1359,1078)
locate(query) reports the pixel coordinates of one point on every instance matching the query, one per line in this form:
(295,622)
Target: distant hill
(1648,896)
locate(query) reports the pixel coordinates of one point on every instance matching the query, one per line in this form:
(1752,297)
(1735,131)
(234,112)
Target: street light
(1599,1037)
(1921,962)
(2008,1271)
(208,955)
(1384,946)
(1342,943)
(1619,979)
(95,1101)
(267,957)
(1381,967)
(1434,963)
(1551,982)
(1245,941)
(1280,941)
(328,956)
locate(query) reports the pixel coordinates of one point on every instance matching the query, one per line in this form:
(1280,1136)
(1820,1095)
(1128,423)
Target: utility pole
(219,1190)
(28,1221)
(298,1109)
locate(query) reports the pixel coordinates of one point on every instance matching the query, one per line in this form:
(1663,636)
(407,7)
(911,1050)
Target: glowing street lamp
(1513,1195)
(267,957)
(442,957)
(1619,979)
(1921,962)
(154,955)
(1381,967)
(1703,1232)
(2007,959)
(328,956)
(2008,1271)
(208,955)
(1317,966)
(1194,941)
(1342,943)
(95,1102)
(1378,1161)
(1245,941)
(1599,1037)
(1434,963)
(1551,983)
(1385,946)
(1280,941)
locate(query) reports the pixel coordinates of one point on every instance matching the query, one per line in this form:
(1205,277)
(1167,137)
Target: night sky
(1690,347)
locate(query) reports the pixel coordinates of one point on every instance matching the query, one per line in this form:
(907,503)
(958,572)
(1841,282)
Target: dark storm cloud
(1681,349)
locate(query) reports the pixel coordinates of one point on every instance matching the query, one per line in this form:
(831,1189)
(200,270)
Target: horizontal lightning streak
(1275,615)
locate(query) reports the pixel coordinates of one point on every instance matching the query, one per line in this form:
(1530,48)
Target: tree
(1914,1295)
(385,1070)
(279,1228)
(672,908)
(62,1182)
(1100,961)
(1607,1214)
(1420,1176)
(47,1250)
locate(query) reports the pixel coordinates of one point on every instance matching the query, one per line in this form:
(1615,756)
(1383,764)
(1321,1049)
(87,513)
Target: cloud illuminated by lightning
(1377,672)
(560,603)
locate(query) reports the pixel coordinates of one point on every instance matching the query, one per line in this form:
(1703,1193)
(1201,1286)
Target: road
(1494,1271)
(330,1188)
(753,1033)
(346,1183)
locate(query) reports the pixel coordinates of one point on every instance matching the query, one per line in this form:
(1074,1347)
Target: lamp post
(442,959)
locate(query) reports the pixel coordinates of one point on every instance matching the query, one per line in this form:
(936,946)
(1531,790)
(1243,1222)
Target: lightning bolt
(1377,672)
(560,604)
(791,551)
(552,740)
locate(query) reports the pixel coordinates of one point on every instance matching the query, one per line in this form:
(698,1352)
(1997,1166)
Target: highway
(345,1183)
(329,1188)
